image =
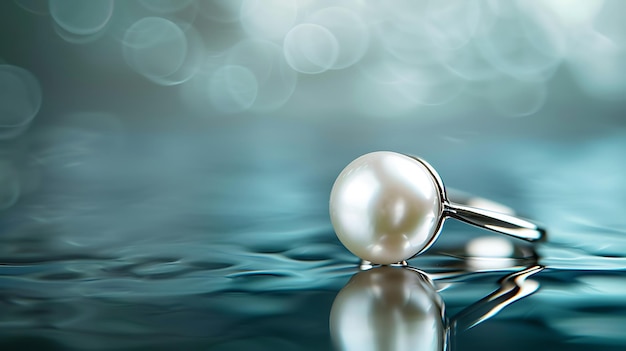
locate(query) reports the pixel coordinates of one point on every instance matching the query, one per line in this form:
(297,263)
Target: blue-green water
(199,247)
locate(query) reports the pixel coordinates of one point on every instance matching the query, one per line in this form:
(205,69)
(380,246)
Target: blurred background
(165,165)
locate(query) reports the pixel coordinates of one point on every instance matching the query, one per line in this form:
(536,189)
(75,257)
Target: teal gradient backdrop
(165,166)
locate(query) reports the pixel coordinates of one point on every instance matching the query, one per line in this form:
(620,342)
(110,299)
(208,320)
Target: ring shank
(498,221)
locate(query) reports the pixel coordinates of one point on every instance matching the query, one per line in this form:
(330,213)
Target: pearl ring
(388,207)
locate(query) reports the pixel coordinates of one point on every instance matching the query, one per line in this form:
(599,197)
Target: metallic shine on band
(388,207)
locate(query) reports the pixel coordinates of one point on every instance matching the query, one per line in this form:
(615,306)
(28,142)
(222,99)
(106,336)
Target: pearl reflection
(388,308)
(398,308)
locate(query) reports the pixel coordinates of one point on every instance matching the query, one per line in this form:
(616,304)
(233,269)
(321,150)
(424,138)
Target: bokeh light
(428,52)
(233,89)
(81,18)
(20,97)
(155,47)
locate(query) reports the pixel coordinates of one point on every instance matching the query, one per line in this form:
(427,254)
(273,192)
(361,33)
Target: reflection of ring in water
(398,308)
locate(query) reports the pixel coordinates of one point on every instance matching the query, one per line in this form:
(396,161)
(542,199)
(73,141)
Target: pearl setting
(386,207)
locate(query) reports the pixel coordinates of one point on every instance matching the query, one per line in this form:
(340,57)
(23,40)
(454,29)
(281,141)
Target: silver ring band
(489,215)
(504,223)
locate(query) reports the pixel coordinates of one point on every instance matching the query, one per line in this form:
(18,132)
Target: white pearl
(388,308)
(385,207)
